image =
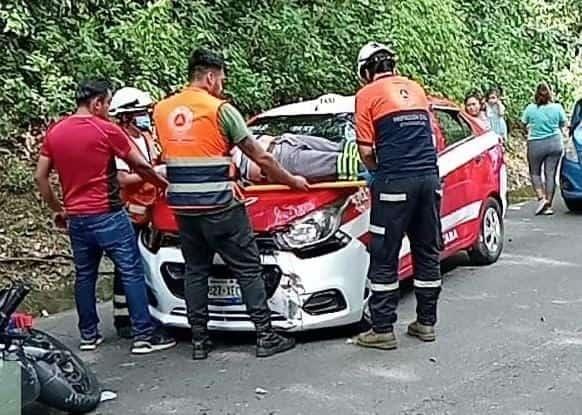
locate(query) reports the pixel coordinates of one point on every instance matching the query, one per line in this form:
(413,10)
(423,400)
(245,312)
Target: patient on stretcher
(315,158)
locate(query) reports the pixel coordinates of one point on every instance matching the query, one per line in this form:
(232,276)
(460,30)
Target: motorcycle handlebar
(10,301)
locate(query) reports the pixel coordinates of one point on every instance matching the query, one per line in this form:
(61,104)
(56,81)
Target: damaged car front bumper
(305,292)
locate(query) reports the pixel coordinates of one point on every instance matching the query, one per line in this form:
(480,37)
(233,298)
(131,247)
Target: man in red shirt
(82,149)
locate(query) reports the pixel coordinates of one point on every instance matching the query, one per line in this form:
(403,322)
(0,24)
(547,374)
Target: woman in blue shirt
(545,121)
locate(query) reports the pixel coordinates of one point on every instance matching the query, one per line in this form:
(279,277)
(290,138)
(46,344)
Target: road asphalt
(509,342)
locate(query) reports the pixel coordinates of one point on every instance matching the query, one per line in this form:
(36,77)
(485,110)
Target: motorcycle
(51,373)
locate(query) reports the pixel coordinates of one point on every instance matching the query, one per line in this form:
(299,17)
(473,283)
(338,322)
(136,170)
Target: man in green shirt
(196,131)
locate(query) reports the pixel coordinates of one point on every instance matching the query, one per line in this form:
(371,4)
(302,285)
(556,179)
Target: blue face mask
(143,122)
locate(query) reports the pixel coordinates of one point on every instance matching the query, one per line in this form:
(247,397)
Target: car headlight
(313,229)
(570,151)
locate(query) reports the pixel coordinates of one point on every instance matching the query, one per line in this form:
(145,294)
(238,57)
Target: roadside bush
(279,50)
(15,175)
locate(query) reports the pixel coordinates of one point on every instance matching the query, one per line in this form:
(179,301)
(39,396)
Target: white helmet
(128,99)
(369,50)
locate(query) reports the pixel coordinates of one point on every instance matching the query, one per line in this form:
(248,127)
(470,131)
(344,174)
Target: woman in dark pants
(545,121)
(130,108)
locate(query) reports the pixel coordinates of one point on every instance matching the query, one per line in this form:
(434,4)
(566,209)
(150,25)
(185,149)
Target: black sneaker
(154,343)
(201,348)
(270,343)
(88,345)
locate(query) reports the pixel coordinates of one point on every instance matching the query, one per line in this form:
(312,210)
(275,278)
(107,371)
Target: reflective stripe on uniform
(428,284)
(393,197)
(384,287)
(119,298)
(199,187)
(120,312)
(137,209)
(377,230)
(199,161)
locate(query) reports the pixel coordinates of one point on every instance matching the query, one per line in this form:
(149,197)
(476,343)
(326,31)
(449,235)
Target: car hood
(268,210)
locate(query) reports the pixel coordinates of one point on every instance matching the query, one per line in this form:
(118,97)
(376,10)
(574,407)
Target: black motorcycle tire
(56,390)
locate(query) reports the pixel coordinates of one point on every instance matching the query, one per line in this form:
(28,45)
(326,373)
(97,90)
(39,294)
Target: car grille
(173,275)
(265,242)
(220,315)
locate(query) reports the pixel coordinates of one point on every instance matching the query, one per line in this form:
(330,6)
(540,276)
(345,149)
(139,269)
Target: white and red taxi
(313,245)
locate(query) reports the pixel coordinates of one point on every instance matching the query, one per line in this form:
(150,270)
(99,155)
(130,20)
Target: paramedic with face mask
(130,109)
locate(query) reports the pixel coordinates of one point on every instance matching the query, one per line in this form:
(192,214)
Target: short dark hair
(493,91)
(543,94)
(473,94)
(203,60)
(92,88)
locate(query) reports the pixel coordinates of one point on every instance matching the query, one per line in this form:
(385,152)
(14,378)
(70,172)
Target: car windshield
(334,127)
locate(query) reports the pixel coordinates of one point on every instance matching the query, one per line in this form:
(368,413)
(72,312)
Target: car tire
(574,206)
(489,245)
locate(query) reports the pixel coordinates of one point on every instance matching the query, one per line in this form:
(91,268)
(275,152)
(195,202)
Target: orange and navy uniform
(196,152)
(139,197)
(392,115)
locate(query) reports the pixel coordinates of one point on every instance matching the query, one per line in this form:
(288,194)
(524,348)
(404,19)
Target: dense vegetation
(279,50)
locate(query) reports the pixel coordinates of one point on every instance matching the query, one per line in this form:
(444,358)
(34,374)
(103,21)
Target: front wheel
(489,245)
(573,205)
(66,383)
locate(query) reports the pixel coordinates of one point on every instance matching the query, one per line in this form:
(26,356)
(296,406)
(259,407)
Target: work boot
(423,332)
(384,341)
(270,343)
(201,348)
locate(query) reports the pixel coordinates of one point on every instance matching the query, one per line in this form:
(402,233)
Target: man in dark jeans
(197,131)
(82,148)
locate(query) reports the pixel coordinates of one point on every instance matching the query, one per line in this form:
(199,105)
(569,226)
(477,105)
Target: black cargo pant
(230,235)
(120,311)
(408,206)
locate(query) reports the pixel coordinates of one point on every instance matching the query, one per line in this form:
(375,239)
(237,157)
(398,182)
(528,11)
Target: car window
(334,127)
(454,128)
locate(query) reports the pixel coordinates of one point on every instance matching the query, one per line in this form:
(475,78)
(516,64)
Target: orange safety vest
(196,152)
(140,197)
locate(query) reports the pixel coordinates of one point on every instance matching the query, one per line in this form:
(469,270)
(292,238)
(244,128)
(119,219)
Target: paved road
(509,342)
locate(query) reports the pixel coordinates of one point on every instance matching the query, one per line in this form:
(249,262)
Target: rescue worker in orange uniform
(197,130)
(395,141)
(130,108)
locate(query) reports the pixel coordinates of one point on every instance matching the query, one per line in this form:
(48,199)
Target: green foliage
(278,50)
(15,175)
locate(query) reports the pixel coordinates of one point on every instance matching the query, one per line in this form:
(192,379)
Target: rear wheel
(573,205)
(489,245)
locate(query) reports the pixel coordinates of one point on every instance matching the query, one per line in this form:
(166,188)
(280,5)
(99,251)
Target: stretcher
(323,185)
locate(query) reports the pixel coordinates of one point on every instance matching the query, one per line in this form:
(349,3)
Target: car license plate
(224,291)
